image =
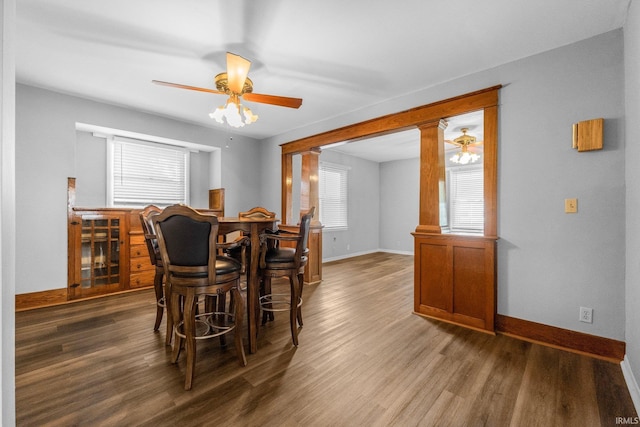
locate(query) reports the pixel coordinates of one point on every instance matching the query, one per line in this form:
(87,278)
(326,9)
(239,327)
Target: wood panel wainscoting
(455,279)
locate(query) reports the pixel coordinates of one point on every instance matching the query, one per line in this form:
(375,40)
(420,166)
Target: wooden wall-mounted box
(587,135)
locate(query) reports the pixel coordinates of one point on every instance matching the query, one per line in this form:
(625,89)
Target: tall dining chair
(278,260)
(154,256)
(189,249)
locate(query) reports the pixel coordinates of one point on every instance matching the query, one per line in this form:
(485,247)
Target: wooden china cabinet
(106,250)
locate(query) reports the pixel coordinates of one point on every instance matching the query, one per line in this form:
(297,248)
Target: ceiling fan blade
(281,101)
(237,71)
(179,86)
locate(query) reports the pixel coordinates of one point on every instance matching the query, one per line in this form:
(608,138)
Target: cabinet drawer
(136,239)
(141,279)
(138,251)
(140,264)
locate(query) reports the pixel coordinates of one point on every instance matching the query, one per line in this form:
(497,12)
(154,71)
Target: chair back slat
(302,244)
(146,220)
(257,212)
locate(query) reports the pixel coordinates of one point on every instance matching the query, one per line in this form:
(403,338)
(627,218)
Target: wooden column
(432,176)
(309,192)
(287,187)
(491,171)
(309,197)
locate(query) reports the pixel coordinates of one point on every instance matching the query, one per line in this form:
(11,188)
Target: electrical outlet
(586,314)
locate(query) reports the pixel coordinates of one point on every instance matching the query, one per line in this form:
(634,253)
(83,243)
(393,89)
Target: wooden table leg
(252,290)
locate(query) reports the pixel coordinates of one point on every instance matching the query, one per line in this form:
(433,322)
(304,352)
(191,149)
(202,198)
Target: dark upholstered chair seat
(224,265)
(282,258)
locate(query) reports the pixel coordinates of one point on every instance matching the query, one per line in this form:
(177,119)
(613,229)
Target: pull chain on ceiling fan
(236,84)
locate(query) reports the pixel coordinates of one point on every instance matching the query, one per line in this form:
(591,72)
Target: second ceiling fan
(236,84)
(464,156)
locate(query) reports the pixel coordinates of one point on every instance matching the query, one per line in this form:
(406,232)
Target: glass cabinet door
(100,270)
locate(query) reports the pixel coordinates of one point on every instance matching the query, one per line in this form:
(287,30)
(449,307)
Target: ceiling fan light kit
(463,156)
(235,83)
(235,113)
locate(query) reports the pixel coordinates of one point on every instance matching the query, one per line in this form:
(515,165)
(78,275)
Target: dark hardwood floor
(364,360)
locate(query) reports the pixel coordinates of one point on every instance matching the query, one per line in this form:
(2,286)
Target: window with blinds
(143,173)
(333,196)
(466,199)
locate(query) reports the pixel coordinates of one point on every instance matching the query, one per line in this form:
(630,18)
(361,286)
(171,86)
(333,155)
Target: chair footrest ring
(276,302)
(209,325)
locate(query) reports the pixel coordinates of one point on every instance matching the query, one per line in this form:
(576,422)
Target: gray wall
(46,154)
(549,263)
(363,208)
(399,204)
(632,129)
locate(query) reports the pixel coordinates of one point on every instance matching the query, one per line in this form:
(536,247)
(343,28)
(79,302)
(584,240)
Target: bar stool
(276,260)
(193,268)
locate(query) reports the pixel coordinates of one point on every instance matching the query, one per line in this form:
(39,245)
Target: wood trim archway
(486,99)
(440,260)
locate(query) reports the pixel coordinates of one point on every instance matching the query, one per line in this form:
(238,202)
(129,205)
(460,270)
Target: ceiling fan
(236,84)
(464,156)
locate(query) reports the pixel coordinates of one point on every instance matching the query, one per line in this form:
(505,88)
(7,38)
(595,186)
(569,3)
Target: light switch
(570,205)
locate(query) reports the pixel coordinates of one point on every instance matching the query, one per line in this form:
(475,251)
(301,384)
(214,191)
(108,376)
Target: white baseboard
(354,254)
(391,251)
(632,384)
(345,256)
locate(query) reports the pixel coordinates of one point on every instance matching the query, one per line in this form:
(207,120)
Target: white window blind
(143,173)
(333,195)
(466,199)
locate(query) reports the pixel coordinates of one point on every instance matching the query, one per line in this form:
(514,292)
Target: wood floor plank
(363,359)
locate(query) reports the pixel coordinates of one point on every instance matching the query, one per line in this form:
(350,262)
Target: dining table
(251,227)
